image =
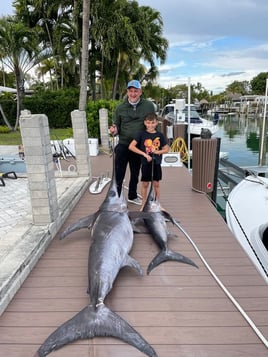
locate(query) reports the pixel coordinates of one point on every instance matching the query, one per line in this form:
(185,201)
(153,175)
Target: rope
(226,291)
(179,145)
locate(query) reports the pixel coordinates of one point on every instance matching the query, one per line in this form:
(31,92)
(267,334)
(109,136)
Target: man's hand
(113,130)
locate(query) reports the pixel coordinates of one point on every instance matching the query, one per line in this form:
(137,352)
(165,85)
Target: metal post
(189,122)
(262,157)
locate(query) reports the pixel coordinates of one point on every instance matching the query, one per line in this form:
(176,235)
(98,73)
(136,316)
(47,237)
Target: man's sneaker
(136,201)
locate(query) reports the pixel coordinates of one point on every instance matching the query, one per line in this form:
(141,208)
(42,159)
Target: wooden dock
(180,310)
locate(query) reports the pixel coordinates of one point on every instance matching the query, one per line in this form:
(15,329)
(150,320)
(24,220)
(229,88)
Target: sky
(212,42)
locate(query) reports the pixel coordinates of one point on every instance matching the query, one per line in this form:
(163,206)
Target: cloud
(213,42)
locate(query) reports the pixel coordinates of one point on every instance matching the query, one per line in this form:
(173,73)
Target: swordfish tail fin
(94,322)
(168,255)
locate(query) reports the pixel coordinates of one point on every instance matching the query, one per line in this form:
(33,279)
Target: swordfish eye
(112,193)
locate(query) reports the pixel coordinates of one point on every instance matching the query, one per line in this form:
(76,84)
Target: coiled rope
(179,145)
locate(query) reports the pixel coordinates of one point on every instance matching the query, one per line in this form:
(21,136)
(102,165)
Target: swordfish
(112,239)
(156,225)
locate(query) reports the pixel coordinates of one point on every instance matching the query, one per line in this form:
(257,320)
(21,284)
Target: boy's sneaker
(136,201)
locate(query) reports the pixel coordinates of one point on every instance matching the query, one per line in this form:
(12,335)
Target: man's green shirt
(129,119)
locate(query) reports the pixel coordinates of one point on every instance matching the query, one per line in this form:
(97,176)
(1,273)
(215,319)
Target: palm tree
(125,34)
(45,67)
(121,34)
(57,29)
(149,29)
(19,53)
(84,59)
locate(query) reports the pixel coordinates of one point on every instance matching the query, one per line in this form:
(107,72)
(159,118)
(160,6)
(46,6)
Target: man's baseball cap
(134,83)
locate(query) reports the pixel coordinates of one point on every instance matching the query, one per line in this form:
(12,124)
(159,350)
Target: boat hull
(247,217)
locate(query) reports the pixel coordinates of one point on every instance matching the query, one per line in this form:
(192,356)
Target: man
(128,121)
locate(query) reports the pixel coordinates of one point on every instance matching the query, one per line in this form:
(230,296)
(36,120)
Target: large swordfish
(112,235)
(157,227)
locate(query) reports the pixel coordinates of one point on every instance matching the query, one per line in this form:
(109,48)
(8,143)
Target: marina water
(240,138)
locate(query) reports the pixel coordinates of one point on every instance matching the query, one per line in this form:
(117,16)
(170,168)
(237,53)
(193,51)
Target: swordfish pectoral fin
(94,322)
(138,226)
(168,255)
(139,215)
(137,221)
(132,263)
(85,222)
(168,216)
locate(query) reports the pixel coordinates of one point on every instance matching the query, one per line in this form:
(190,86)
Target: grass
(14,138)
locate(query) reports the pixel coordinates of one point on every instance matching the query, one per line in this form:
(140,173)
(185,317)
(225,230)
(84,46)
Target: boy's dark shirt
(146,141)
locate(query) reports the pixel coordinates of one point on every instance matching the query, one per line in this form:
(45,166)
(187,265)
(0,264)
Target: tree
(44,68)
(114,38)
(59,29)
(6,79)
(258,83)
(84,60)
(237,87)
(19,52)
(153,45)
(131,34)
(122,34)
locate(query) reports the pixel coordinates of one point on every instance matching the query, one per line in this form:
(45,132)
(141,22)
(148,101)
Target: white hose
(226,291)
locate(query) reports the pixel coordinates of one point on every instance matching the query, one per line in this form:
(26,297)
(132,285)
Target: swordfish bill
(112,240)
(156,225)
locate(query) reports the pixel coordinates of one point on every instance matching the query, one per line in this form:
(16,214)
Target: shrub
(92,110)
(58,105)
(4,129)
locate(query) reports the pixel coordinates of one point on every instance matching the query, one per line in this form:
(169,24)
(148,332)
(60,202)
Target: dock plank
(179,309)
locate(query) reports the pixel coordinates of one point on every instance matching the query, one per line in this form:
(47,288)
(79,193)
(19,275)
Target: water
(240,137)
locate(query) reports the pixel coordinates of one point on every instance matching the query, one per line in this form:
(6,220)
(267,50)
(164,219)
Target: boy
(150,144)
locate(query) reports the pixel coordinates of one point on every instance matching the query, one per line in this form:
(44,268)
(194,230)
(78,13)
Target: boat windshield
(194,116)
(193,113)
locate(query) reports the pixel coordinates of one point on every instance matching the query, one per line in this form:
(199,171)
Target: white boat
(197,123)
(222,154)
(247,217)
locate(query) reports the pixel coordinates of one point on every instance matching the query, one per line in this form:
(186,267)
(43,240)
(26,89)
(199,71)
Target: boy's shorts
(146,172)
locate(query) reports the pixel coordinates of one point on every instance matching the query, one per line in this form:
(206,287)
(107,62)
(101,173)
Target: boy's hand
(148,157)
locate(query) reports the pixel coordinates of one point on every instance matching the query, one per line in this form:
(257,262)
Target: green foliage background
(92,111)
(57,106)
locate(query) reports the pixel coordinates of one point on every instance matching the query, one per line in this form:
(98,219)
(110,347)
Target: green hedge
(92,111)
(4,129)
(9,107)
(58,105)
